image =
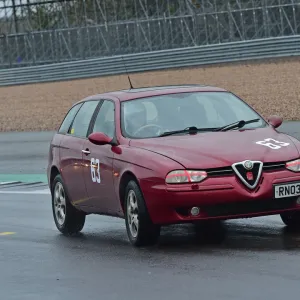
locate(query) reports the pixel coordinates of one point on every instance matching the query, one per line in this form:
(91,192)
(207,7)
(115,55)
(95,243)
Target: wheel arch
(53,173)
(126,177)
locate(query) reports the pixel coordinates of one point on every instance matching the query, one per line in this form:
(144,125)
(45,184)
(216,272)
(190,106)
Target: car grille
(271,166)
(220,171)
(228,171)
(239,208)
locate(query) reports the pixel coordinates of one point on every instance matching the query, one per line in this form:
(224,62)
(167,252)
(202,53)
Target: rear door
(98,173)
(71,152)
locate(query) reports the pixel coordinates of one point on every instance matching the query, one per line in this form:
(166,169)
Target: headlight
(185,176)
(293,165)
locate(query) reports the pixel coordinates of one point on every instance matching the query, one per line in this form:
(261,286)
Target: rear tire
(291,219)
(140,229)
(67,218)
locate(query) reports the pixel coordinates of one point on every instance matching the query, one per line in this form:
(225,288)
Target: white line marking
(37,192)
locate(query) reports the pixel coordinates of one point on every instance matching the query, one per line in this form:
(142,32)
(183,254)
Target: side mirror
(275,121)
(99,138)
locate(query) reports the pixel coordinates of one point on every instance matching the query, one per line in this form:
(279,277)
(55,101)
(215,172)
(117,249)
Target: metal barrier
(158,60)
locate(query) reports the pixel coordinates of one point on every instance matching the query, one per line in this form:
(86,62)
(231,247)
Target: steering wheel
(147,126)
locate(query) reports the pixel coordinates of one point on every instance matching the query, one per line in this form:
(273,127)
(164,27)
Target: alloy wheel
(59,201)
(132,213)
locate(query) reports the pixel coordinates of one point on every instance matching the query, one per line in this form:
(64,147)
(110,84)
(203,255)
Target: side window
(64,127)
(82,120)
(105,120)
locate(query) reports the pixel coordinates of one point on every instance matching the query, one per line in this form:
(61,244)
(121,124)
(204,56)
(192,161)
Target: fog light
(298,201)
(195,211)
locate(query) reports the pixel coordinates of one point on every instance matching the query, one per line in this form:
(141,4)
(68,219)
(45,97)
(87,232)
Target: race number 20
(95,170)
(273,144)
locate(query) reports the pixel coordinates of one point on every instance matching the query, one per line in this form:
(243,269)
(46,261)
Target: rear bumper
(218,198)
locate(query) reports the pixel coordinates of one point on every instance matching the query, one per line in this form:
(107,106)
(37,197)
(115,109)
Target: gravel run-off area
(270,86)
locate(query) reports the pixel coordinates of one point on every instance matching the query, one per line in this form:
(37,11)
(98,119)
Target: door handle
(86,151)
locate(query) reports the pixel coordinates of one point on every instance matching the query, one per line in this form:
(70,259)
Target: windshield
(152,116)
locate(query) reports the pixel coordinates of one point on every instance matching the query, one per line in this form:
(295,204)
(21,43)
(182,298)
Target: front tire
(140,229)
(291,219)
(67,218)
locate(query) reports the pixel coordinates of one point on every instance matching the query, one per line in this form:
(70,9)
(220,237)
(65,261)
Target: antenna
(131,87)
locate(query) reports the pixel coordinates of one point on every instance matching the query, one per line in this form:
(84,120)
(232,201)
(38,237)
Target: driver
(135,116)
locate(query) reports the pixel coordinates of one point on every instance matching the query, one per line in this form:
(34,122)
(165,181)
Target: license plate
(287,190)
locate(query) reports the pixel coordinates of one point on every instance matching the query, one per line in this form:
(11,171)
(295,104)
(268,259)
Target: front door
(98,162)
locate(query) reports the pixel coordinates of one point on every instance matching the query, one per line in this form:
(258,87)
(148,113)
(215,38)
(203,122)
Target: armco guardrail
(238,51)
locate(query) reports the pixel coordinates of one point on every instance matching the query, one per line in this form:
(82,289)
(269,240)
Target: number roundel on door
(95,170)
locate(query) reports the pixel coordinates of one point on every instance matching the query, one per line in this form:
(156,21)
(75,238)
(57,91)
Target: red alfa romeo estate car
(173,154)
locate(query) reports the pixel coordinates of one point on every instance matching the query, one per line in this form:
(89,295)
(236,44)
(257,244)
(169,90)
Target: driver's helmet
(135,116)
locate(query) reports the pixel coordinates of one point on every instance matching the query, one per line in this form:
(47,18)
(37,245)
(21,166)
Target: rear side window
(65,126)
(82,120)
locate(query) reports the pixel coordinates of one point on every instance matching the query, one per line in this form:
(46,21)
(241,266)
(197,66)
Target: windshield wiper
(189,130)
(238,124)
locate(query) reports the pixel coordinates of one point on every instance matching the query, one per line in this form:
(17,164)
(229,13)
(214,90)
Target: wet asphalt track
(27,152)
(245,259)
(24,152)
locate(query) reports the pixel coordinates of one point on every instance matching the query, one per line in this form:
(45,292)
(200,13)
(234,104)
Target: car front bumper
(218,198)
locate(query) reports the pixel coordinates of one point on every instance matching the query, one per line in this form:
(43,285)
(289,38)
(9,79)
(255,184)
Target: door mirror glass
(99,138)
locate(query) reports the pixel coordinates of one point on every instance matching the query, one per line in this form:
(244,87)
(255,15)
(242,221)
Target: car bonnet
(222,149)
